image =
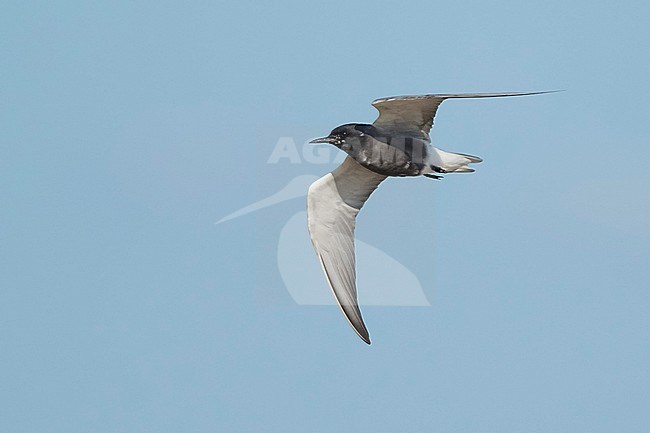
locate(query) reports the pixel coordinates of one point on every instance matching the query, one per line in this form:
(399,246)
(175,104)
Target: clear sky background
(128,128)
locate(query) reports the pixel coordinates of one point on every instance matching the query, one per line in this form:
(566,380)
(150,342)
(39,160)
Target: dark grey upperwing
(333,202)
(413,115)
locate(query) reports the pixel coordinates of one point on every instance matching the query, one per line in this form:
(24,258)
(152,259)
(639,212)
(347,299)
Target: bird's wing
(413,115)
(333,202)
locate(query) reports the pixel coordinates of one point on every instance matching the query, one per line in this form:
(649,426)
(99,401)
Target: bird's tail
(452,162)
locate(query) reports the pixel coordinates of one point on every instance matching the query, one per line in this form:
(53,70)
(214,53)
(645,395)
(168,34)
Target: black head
(344,136)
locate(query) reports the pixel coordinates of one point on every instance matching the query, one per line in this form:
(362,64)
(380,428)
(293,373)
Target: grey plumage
(382,152)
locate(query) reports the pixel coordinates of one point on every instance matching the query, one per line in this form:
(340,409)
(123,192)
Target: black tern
(396,144)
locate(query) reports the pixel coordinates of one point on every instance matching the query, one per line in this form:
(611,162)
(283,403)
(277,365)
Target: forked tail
(448,162)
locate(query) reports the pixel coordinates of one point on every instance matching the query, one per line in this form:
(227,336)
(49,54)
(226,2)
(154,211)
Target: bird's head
(345,137)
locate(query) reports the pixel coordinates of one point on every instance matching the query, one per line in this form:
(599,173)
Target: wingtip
(443,96)
(359,327)
(361,330)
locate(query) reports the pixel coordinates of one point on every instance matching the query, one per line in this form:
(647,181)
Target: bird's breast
(392,156)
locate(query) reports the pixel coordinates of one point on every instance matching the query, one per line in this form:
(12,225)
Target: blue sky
(129,128)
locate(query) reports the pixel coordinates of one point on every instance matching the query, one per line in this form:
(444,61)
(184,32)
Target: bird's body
(395,155)
(397,144)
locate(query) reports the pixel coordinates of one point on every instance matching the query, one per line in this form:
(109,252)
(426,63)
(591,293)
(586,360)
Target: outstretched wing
(413,115)
(333,202)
